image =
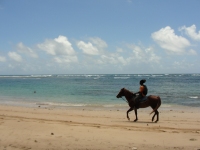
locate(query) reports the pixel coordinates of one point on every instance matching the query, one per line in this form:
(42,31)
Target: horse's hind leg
(157,116)
(156,113)
(153,116)
(136,115)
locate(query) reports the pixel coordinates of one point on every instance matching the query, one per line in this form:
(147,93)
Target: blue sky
(99,36)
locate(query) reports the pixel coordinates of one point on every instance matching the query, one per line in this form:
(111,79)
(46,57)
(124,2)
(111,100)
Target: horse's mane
(128,91)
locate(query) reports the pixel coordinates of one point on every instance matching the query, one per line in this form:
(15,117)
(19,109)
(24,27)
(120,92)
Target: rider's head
(142,81)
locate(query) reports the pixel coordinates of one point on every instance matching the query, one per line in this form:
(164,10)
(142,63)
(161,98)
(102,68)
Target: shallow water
(97,90)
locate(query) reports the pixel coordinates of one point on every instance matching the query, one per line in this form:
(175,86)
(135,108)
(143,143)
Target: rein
(124,99)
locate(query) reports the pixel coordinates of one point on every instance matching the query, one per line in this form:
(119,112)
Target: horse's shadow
(142,122)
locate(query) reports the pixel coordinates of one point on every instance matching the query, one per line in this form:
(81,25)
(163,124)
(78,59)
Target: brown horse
(153,101)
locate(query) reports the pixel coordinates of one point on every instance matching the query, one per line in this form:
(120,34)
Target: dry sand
(80,128)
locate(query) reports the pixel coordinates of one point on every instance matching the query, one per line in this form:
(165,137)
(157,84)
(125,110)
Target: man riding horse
(142,93)
(134,101)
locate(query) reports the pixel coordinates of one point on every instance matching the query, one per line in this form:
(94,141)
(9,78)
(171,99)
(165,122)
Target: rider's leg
(137,101)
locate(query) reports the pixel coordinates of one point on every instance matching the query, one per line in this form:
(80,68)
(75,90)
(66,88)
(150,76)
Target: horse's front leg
(136,115)
(128,112)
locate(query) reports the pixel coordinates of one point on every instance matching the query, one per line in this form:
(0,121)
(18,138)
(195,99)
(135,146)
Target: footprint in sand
(175,132)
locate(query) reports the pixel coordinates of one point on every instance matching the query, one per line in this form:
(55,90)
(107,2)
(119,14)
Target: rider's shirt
(143,90)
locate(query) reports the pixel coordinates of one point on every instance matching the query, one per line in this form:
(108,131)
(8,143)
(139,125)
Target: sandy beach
(79,128)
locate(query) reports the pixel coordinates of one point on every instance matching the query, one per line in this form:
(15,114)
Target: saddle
(143,99)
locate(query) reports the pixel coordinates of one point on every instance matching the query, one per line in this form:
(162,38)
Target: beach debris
(35,140)
(52,133)
(192,139)
(134,148)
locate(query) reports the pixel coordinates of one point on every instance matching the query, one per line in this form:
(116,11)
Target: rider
(142,93)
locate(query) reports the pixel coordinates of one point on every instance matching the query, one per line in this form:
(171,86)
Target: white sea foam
(42,76)
(157,75)
(195,97)
(61,104)
(121,77)
(14,76)
(195,74)
(141,75)
(25,76)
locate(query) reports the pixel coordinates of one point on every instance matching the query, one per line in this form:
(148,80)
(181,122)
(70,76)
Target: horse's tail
(158,105)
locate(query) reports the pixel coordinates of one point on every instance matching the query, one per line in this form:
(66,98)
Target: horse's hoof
(135,120)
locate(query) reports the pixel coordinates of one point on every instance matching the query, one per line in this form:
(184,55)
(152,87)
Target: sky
(99,36)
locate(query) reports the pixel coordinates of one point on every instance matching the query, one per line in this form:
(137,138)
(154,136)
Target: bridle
(124,99)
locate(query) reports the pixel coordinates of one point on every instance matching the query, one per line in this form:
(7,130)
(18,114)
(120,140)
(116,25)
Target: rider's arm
(141,90)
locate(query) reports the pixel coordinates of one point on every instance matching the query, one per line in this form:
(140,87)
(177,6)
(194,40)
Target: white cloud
(138,52)
(192,52)
(112,60)
(66,59)
(151,56)
(138,56)
(191,32)
(98,42)
(87,48)
(169,41)
(57,46)
(95,46)
(144,55)
(59,56)
(120,50)
(2,59)
(15,56)
(26,50)
(182,64)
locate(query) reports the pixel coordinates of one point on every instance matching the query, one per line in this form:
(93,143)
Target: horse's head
(126,93)
(121,93)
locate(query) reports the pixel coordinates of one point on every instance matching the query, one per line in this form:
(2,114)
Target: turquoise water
(97,90)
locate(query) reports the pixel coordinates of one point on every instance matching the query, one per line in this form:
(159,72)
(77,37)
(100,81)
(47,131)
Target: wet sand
(83,128)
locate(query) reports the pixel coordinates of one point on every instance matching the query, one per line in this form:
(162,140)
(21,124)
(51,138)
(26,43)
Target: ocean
(96,89)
